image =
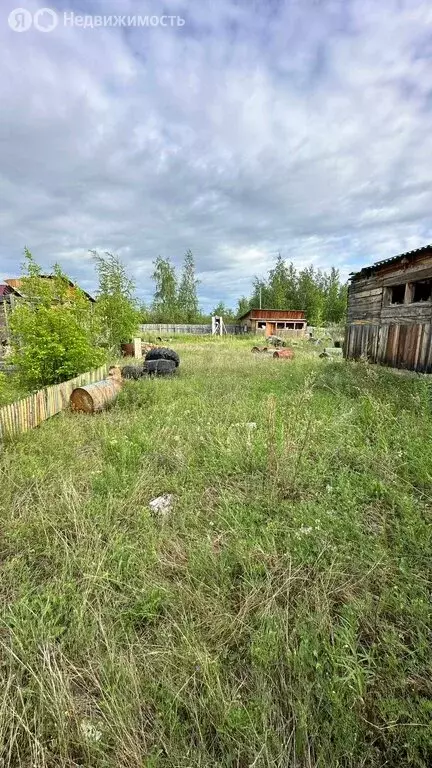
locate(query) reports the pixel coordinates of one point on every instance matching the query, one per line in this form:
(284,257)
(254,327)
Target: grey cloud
(254,128)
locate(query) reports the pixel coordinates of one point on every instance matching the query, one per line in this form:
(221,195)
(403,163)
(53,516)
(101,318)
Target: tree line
(57,332)
(322,295)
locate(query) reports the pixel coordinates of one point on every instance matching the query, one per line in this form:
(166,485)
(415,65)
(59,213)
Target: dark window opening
(291,326)
(299,326)
(280,325)
(262,325)
(422,291)
(397,294)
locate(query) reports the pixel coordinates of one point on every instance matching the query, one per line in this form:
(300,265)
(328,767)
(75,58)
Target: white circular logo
(20,20)
(45,20)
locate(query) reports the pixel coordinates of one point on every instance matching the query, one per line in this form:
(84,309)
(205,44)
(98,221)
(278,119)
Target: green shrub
(54,329)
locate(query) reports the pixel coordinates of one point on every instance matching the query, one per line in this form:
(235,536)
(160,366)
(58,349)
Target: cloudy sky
(258,126)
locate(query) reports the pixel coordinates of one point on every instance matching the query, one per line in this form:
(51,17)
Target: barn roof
(16,283)
(274,314)
(6,290)
(366,271)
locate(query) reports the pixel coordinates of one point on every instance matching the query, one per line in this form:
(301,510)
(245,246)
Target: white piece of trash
(89,731)
(162,505)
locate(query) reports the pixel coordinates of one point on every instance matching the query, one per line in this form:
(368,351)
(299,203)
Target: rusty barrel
(285,353)
(95,397)
(127,350)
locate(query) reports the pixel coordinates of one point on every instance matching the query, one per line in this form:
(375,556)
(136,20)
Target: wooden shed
(389,317)
(274,322)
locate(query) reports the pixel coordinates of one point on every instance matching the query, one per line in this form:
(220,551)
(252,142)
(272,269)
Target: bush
(53,330)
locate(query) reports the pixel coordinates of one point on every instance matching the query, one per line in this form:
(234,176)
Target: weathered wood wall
(398,335)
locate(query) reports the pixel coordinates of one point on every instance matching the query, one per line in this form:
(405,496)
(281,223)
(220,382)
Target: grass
(279,616)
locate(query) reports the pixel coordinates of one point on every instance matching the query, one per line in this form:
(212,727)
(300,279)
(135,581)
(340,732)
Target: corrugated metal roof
(393,259)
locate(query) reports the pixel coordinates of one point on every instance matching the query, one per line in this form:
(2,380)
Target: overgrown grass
(279,616)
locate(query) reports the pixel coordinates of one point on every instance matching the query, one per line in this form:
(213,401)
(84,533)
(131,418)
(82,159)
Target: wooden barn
(389,317)
(16,283)
(274,322)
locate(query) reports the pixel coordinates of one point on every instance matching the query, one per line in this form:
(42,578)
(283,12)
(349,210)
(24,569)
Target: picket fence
(31,411)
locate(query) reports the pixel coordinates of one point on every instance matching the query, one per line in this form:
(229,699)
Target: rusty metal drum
(95,397)
(284,353)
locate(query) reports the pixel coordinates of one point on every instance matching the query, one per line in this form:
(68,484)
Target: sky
(255,127)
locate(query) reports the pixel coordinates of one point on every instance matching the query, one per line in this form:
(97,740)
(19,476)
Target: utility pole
(260,298)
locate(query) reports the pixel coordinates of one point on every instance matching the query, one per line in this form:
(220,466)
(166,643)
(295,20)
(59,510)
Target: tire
(131,372)
(159,367)
(163,353)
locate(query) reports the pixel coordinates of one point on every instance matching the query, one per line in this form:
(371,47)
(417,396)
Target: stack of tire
(159,361)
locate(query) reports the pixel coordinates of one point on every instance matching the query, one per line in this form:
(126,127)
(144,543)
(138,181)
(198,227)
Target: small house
(274,322)
(11,291)
(16,284)
(389,317)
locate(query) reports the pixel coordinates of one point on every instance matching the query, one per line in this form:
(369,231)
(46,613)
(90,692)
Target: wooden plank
(428,349)
(400,349)
(362,293)
(364,339)
(365,301)
(365,283)
(382,343)
(372,340)
(422,357)
(419,272)
(418,346)
(366,317)
(388,354)
(356,308)
(405,311)
(409,346)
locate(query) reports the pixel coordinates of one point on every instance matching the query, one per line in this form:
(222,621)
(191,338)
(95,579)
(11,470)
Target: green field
(278,616)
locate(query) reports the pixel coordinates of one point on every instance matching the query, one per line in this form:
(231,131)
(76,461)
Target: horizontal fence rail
(196,330)
(31,411)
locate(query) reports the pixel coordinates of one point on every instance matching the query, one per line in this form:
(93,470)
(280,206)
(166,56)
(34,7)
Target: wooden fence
(33,410)
(196,330)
